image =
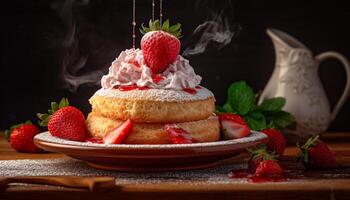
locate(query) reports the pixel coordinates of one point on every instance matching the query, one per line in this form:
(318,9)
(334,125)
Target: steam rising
(73,61)
(216,31)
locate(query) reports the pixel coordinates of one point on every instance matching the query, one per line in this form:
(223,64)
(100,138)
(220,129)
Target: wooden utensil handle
(91,183)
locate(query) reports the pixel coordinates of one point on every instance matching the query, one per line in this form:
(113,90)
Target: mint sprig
(241,100)
(241,97)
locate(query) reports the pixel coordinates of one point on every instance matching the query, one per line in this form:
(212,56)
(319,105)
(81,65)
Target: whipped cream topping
(130,69)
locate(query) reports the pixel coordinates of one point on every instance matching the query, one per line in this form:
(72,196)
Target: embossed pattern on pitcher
(300,63)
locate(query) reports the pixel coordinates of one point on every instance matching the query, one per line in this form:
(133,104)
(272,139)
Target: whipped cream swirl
(130,69)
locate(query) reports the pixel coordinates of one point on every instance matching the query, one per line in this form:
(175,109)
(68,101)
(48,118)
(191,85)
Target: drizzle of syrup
(131,87)
(241,173)
(94,140)
(190,90)
(143,88)
(245,173)
(134,62)
(258,179)
(198,87)
(157,78)
(127,87)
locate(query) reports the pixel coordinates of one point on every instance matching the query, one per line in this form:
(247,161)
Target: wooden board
(310,188)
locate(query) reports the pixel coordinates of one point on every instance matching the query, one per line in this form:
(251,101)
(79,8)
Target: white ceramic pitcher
(295,77)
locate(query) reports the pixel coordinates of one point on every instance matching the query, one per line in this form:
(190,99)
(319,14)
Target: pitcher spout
(283,40)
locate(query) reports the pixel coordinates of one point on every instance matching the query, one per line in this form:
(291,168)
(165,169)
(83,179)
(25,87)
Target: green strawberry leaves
(261,151)
(241,100)
(304,150)
(44,118)
(156,26)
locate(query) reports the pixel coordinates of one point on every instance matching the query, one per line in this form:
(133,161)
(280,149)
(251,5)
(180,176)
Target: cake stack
(154,88)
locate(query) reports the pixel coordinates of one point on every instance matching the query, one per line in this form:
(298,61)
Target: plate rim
(71,144)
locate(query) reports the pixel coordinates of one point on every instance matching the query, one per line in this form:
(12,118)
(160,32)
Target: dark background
(39,43)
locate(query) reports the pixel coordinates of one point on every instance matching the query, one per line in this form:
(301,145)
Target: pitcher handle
(330,54)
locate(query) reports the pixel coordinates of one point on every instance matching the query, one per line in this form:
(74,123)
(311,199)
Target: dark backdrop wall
(48,48)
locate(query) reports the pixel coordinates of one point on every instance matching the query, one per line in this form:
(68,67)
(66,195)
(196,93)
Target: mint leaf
(241,97)
(272,105)
(255,120)
(280,120)
(227,107)
(219,109)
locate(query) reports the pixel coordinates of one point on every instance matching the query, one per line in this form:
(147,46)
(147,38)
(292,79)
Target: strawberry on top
(160,44)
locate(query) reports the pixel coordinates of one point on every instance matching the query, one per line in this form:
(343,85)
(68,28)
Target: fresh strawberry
(118,134)
(178,135)
(160,45)
(268,168)
(253,163)
(315,154)
(21,137)
(257,155)
(233,126)
(276,142)
(64,121)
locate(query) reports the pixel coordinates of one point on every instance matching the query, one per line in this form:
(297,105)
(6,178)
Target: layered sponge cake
(155,95)
(154,105)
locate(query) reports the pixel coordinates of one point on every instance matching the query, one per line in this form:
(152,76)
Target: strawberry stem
(156,26)
(44,118)
(261,151)
(304,153)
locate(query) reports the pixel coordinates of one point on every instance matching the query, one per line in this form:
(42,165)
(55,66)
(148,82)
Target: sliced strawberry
(178,135)
(233,126)
(118,134)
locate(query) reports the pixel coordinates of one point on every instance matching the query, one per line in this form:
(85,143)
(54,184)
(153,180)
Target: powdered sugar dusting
(72,167)
(157,94)
(47,137)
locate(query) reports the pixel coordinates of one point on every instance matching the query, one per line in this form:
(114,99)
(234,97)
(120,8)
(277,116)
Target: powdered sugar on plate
(47,137)
(157,94)
(72,167)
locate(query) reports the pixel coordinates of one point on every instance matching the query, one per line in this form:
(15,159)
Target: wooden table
(316,188)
